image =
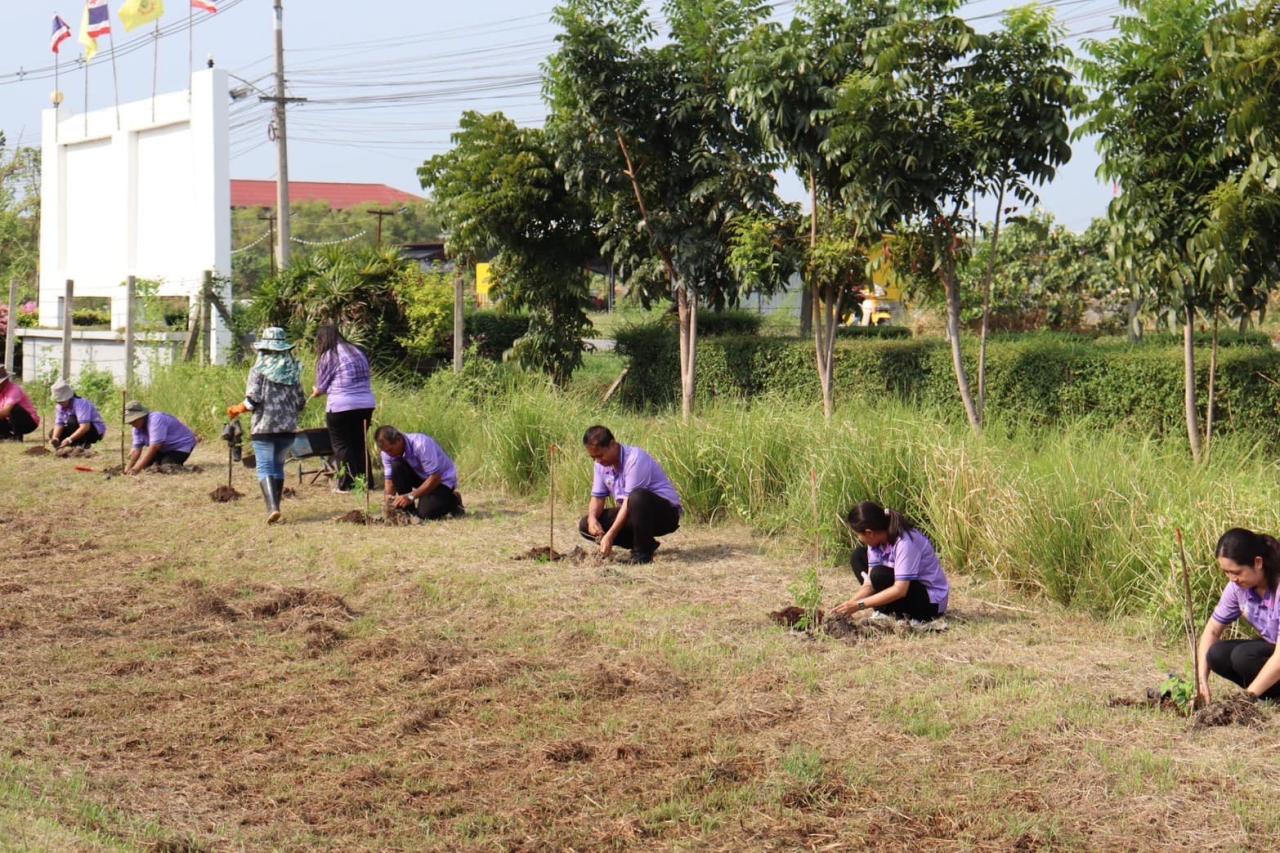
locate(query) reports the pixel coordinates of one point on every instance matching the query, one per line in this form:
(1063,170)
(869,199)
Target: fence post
(130,289)
(206,317)
(68,303)
(11,333)
(459,320)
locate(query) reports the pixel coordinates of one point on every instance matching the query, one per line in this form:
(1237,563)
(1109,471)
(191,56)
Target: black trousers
(90,437)
(346,434)
(648,517)
(170,457)
(18,424)
(916,604)
(435,504)
(1241,661)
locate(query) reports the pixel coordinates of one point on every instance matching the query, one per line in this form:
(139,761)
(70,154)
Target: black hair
(328,337)
(597,436)
(869,515)
(387,435)
(1244,546)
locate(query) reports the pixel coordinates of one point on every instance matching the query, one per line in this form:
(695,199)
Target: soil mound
(569,752)
(208,604)
(790,617)
(357,517)
(1236,710)
(297,598)
(175,469)
(321,637)
(224,494)
(544,554)
(38,450)
(75,453)
(289,492)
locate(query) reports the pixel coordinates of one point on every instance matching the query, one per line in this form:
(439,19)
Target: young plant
(360,491)
(806,592)
(1181,691)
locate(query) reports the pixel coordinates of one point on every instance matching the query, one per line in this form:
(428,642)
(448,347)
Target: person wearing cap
(420,476)
(18,415)
(646,504)
(158,438)
(275,397)
(77,422)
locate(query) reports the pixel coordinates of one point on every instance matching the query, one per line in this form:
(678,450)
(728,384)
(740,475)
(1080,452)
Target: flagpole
(86,97)
(191,48)
(57,94)
(115,79)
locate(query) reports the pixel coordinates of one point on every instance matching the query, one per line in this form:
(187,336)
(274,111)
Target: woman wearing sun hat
(78,422)
(274,395)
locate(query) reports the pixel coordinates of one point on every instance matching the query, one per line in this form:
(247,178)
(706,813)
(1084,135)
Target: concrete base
(42,353)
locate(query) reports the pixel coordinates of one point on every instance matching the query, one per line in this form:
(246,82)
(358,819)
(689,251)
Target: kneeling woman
(1251,562)
(898,568)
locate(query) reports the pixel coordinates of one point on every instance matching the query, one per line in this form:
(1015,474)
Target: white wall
(146,192)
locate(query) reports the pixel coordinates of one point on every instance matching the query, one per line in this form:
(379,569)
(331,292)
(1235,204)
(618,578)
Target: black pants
(916,604)
(90,437)
(18,424)
(435,504)
(170,457)
(346,434)
(648,516)
(1241,661)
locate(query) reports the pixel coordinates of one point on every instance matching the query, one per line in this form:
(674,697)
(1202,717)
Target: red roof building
(335,195)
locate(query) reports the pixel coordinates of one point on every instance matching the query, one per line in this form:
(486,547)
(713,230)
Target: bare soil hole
(75,453)
(293,598)
(224,494)
(322,637)
(207,604)
(569,752)
(38,450)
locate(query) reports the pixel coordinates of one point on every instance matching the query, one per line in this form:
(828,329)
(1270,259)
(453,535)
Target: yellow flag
(135,13)
(89,42)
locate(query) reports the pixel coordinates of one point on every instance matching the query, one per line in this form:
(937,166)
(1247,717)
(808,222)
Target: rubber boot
(273,503)
(277,491)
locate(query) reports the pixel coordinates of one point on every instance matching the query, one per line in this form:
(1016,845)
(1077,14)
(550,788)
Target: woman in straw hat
(274,395)
(77,422)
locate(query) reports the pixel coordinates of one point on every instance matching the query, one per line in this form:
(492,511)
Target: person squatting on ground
(158,438)
(275,397)
(420,476)
(1251,562)
(342,373)
(18,415)
(645,502)
(77,422)
(896,565)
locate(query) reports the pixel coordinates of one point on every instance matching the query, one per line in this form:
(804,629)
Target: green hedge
(881,332)
(1035,380)
(494,332)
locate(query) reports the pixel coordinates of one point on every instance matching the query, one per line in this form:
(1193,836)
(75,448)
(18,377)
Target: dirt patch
(322,637)
(224,494)
(426,719)
(569,751)
(357,517)
(297,598)
(1238,709)
(544,554)
(75,453)
(38,450)
(289,492)
(207,604)
(790,617)
(174,469)
(11,588)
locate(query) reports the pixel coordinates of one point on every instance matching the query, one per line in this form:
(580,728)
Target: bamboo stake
(124,393)
(1189,618)
(551,501)
(229,464)
(817,521)
(367,465)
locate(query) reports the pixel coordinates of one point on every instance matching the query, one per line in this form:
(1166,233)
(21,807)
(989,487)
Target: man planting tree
(646,504)
(420,476)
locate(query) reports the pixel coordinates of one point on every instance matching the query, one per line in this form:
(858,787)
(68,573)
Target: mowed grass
(178,676)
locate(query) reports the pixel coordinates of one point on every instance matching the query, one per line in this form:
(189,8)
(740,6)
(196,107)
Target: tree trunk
(807,309)
(1189,382)
(687,308)
(1244,320)
(826,320)
(1213,373)
(953,331)
(986,308)
(1135,322)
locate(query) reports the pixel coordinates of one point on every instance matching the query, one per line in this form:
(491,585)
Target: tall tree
(19,217)
(648,136)
(499,193)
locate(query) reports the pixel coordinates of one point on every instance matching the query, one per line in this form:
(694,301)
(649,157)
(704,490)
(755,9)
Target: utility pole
(282,143)
(381,214)
(270,218)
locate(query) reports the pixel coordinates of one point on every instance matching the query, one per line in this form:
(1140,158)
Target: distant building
(338,196)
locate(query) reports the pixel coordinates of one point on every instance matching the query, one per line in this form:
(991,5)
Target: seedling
(806,592)
(360,491)
(1181,692)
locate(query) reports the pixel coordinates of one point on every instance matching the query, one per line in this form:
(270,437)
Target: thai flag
(99,18)
(61,32)
(207,5)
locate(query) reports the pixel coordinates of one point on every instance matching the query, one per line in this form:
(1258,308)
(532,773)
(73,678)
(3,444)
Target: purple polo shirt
(166,431)
(1262,613)
(636,470)
(343,374)
(85,412)
(426,457)
(912,558)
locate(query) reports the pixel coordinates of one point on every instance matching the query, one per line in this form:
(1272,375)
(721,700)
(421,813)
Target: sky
(386,79)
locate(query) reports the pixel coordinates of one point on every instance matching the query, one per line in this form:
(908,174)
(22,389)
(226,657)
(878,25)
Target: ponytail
(1243,546)
(869,515)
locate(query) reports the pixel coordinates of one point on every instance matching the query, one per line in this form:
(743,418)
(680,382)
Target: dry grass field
(176,676)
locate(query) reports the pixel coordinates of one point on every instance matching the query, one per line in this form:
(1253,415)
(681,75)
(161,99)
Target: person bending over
(18,414)
(78,422)
(1251,562)
(896,565)
(645,503)
(420,476)
(158,438)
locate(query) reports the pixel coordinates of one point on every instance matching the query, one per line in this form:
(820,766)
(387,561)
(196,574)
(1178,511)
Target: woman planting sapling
(897,566)
(1251,562)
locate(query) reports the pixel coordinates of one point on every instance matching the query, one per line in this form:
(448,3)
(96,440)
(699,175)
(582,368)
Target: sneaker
(340,491)
(641,558)
(939,624)
(879,616)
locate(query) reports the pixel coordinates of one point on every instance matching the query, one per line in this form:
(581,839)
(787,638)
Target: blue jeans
(271,453)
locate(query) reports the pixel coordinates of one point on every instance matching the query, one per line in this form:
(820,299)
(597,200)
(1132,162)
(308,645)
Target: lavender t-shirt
(1262,613)
(343,374)
(912,558)
(425,456)
(167,431)
(85,412)
(636,470)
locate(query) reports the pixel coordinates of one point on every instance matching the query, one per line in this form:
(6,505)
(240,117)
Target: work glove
(236,411)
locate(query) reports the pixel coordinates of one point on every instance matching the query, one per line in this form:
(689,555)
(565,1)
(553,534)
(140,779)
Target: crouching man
(420,476)
(645,503)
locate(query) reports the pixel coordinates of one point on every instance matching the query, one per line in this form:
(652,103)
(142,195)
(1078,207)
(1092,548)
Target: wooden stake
(367,466)
(817,522)
(229,453)
(124,392)
(551,476)
(1189,618)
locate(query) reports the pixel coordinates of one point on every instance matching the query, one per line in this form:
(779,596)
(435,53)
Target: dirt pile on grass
(299,599)
(544,554)
(289,492)
(790,617)
(175,469)
(75,453)
(357,516)
(1239,709)
(38,450)
(224,494)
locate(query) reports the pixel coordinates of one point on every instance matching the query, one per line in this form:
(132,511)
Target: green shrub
(729,322)
(652,351)
(90,317)
(881,332)
(492,333)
